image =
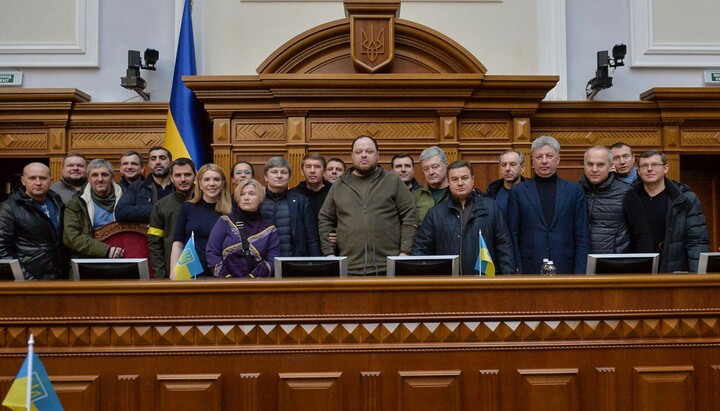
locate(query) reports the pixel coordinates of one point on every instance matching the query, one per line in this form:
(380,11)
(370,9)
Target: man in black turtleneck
(548,216)
(289,211)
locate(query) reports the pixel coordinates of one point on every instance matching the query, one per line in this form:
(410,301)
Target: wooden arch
(327,49)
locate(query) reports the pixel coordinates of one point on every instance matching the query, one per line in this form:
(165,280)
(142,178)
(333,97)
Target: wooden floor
(506,343)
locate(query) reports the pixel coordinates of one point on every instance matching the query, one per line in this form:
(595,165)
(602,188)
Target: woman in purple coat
(243,244)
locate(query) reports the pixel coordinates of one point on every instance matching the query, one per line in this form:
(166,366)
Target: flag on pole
(38,395)
(484,263)
(183,130)
(188,265)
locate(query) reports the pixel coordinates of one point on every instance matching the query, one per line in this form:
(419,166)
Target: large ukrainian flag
(43,397)
(183,131)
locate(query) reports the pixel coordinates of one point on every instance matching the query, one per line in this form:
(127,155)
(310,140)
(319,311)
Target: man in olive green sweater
(372,210)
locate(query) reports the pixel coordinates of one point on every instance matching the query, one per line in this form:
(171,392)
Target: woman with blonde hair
(198,215)
(243,244)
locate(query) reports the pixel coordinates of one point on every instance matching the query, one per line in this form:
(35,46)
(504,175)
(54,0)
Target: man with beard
(91,210)
(31,223)
(315,188)
(138,200)
(512,165)
(163,217)
(403,166)
(373,211)
(73,177)
(131,168)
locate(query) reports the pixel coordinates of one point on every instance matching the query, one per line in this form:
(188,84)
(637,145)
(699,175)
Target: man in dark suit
(548,216)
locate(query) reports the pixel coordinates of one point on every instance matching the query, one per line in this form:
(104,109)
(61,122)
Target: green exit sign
(11,78)
(712,77)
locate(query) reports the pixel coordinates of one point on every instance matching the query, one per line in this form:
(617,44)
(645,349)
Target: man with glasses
(548,216)
(624,162)
(678,225)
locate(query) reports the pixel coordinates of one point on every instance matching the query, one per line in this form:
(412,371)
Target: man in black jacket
(138,199)
(315,187)
(31,222)
(289,211)
(454,226)
(677,222)
(618,223)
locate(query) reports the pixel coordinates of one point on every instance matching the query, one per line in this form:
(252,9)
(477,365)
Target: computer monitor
(110,269)
(709,263)
(638,263)
(287,267)
(10,270)
(408,265)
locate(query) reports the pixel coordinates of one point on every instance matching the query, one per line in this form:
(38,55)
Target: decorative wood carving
(607,395)
(344,338)
(23,141)
(371,391)
(259,132)
(489,390)
(248,392)
(128,387)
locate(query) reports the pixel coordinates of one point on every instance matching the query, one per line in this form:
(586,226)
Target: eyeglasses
(654,166)
(246,172)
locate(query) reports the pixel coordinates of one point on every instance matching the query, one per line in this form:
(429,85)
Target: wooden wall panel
(549,390)
(429,390)
(189,392)
(664,388)
(310,392)
(489,390)
(78,392)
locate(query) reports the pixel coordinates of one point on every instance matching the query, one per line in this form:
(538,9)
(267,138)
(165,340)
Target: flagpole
(480,250)
(28,393)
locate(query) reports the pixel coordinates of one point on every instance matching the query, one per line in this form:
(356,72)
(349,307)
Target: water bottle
(549,268)
(543,267)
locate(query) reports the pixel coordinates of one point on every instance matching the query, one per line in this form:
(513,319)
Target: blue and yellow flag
(43,397)
(484,263)
(188,265)
(183,130)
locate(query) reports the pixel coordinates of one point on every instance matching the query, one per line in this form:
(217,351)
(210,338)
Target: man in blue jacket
(453,227)
(548,216)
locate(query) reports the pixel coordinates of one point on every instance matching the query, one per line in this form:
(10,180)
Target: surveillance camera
(619,52)
(151,57)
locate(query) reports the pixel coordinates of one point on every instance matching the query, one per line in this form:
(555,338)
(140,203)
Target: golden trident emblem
(373,46)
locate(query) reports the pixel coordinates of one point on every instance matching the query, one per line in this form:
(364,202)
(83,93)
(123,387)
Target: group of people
(365,213)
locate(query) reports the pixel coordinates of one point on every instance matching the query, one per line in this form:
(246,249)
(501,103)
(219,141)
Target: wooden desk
(506,343)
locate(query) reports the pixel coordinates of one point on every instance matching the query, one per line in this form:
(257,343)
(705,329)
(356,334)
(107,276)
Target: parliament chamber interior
(602,342)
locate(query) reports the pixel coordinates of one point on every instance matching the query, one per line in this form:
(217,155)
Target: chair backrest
(132,237)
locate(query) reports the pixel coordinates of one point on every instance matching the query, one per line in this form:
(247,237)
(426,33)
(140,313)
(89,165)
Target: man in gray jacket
(372,211)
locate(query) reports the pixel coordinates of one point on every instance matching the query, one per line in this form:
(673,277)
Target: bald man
(31,223)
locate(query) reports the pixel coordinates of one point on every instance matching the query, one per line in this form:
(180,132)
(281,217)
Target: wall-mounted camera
(602,79)
(132,79)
